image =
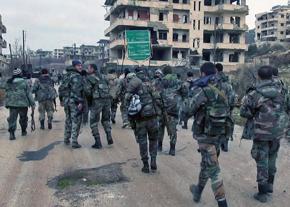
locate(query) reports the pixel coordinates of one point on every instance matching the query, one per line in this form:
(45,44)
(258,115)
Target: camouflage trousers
(172,124)
(114,107)
(46,107)
(101,107)
(124,112)
(147,131)
(210,169)
(73,122)
(13,116)
(265,154)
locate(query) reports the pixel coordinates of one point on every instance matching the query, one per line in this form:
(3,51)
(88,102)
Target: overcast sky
(56,23)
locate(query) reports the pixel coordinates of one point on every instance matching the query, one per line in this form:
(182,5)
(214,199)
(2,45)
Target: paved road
(29,165)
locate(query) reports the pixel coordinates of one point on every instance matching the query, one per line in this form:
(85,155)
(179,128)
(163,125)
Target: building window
(194,5)
(206,38)
(198,24)
(206,56)
(281,33)
(185,19)
(282,24)
(234,38)
(175,54)
(199,5)
(207,2)
(175,18)
(282,15)
(193,24)
(184,38)
(234,58)
(207,20)
(175,37)
(176,1)
(161,16)
(162,35)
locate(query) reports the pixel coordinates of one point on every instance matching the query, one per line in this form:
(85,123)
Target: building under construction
(183,32)
(3,44)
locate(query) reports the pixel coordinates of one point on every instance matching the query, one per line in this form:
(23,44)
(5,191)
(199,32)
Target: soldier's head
(17,72)
(219,67)
(265,73)
(44,72)
(167,70)
(93,68)
(207,69)
(77,64)
(126,72)
(158,73)
(138,69)
(275,71)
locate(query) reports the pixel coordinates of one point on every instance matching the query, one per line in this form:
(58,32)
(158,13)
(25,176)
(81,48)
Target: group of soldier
(153,105)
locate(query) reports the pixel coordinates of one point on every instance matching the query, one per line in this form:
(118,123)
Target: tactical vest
(46,90)
(101,88)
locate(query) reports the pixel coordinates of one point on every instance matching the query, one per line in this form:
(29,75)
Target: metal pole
(11,57)
(23,49)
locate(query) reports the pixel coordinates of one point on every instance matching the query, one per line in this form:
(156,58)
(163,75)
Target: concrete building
(3,44)
(183,32)
(58,53)
(84,53)
(273,26)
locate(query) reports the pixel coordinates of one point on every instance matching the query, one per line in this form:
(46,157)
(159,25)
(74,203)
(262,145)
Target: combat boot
(49,125)
(113,121)
(270,184)
(185,126)
(12,136)
(24,133)
(262,194)
(153,164)
(145,168)
(222,203)
(66,141)
(76,145)
(160,146)
(110,139)
(172,150)
(196,191)
(42,124)
(98,144)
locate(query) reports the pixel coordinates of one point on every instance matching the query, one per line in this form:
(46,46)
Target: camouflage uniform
(209,93)
(70,101)
(146,124)
(223,78)
(121,93)
(45,94)
(268,127)
(185,102)
(18,98)
(170,95)
(97,87)
(114,83)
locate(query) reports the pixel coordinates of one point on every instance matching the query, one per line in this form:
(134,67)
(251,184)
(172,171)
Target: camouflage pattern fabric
(147,131)
(73,122)
(101,107)
(172,124)
(210,169)
(13,115)
(114,107)
(18,94)
(121,93)
(265,154)
(46,107)
(161,130)
(267,105)
(43,88)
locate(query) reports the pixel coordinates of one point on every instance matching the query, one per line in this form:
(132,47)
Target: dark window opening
(206,56)
(206,38)
(234,58)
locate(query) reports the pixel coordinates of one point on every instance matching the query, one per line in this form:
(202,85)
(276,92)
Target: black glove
(84,73)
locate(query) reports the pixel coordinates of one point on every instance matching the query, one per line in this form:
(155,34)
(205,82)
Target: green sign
(138,44)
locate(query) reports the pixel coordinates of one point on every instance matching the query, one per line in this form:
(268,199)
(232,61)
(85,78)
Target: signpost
(138,45)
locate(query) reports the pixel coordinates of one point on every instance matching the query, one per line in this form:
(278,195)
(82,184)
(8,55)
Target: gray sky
(56,23)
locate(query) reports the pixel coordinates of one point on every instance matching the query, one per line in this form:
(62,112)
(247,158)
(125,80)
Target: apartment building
(273,26)
(3,44)
(58,53)
(183,32)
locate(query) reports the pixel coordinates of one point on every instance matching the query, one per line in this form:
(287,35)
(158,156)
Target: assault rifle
(32,120)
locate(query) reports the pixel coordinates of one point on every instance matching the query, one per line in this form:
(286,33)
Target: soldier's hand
(80,106)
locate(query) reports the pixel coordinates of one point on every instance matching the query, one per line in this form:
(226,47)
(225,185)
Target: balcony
(117,43)
(122,23)
(269,28)
(225,26)
(162,43)
(224,8)
(224,46)
(180,25)
(181,45)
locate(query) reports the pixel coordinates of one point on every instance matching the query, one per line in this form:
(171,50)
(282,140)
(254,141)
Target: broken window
(234,58)
(206,38)
(175,54)
(236,21)
(162,35)
(175,37)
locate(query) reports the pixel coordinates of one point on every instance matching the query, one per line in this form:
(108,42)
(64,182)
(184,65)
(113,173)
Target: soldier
(210,107)
(185,88)
(266,105)
(146,123)
(121,93)
(71,95)
(114,84)
(18,99)
(97,87)
(170,97)
(45,94)
(222,78)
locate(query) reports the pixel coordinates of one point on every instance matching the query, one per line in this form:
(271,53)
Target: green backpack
(64,88)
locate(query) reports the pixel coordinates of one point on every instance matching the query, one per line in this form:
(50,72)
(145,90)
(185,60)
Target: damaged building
(183,32)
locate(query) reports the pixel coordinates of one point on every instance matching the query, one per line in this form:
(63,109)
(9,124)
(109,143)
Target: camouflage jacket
(205,93)
(43,89)
(18,93)
(76,87)
(122,88)
(171,94)
(97,86)
(147,96)
(114,84)
(265,109)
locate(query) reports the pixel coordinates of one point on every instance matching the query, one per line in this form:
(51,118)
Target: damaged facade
(274,25)
(183,32)
(3,44)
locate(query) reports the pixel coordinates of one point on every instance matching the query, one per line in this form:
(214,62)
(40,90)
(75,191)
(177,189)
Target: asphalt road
(32,166)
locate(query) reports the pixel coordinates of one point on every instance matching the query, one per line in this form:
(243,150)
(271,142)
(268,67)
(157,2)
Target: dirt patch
(95,185)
